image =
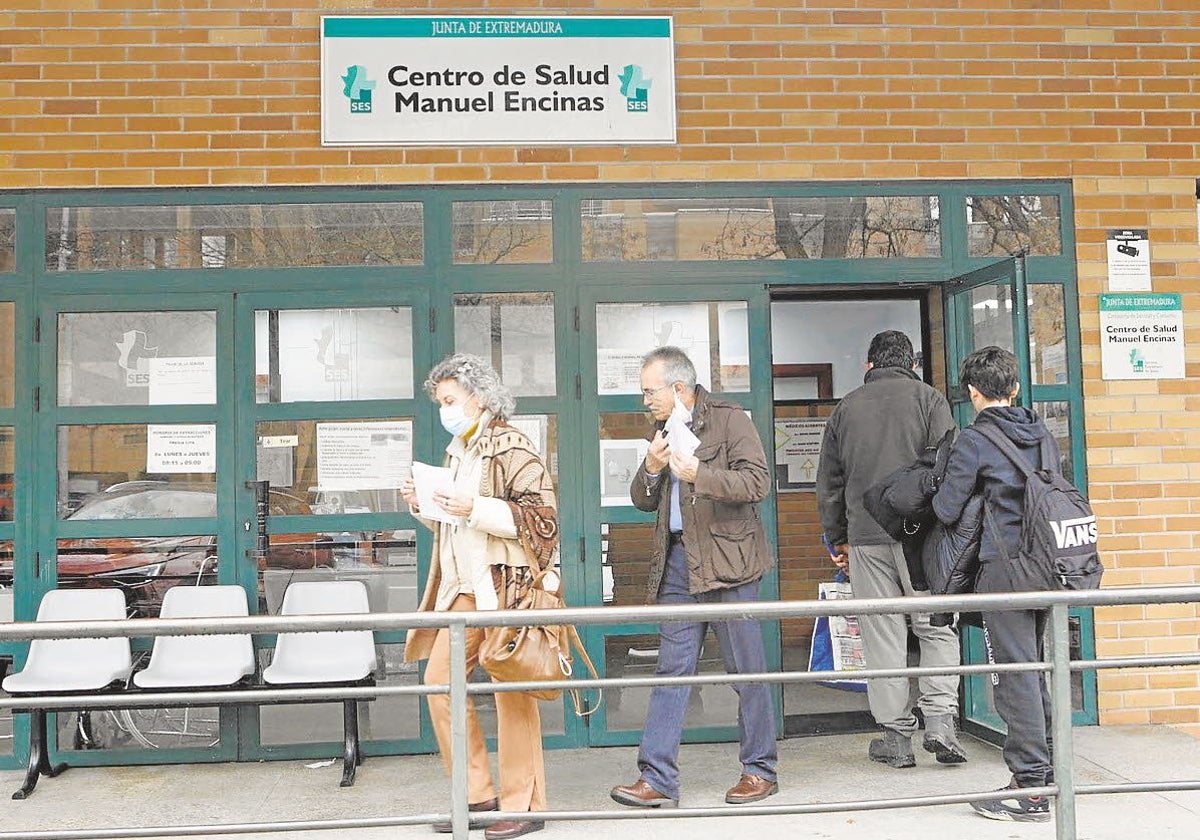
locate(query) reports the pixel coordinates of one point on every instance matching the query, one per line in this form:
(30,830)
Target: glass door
(725,332)
(526,334)
(136,484)
(330,416)
(990,306)
(14,406)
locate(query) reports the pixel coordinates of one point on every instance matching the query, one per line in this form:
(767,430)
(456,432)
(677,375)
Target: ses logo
(635,88)
(357,88)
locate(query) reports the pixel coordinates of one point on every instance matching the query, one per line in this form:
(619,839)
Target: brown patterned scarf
(513,471)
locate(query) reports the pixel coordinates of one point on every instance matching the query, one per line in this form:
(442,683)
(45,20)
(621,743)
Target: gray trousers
(1022,697)
(879,571)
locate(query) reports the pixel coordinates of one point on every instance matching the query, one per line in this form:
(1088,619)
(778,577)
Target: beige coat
(492,535)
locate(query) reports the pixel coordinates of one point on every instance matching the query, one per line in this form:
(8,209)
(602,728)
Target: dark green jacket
(722,528)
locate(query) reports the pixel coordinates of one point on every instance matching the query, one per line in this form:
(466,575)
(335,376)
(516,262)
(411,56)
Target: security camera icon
(1127,249)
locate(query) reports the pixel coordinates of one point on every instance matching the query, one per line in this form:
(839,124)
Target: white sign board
(375,455)
(180,448)
(183,380)
(798,447)
(1141,336)
(1128,261)
(455,81)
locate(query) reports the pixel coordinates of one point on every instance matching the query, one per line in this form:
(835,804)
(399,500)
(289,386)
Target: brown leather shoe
(507,829)
(749,789)
(492,804)
(641,795)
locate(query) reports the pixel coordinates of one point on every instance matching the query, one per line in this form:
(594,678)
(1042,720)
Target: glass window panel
(8,347)
(137,358)
(714,334)
(1000,225)
(1057,417)
(991,316)
(637,656)
(333,355)
(623,447)
(492,232)
(760,228)
(137,471)
(625,550)
(515,333)
(1048,334)
(392,717)
(8,456)
(8,239)
(812,340)
(233,236)
(142,729)
(333,467)
(143,568)
(542,429)
(385,562)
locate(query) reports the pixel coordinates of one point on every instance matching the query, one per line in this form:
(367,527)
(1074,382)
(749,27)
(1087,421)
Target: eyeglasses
(648,393)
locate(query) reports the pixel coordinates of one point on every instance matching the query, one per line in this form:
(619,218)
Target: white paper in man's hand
(428,480)
(681,440)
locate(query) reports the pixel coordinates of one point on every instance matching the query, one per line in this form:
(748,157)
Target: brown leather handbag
(536,652)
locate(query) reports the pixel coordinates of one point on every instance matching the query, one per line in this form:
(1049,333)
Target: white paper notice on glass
(428,480)
(181,448)
(366,455)
(182,380)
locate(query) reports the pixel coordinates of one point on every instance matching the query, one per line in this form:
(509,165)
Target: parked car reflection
(144,568)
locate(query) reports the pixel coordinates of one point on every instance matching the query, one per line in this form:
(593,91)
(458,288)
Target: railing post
(459,812)
(1060,712)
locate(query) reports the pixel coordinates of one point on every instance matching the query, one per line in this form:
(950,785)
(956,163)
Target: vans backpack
(1058,530)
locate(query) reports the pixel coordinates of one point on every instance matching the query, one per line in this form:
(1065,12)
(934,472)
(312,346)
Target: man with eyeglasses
(709,547)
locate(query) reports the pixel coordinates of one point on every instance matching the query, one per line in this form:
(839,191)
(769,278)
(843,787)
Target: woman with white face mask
(507,531)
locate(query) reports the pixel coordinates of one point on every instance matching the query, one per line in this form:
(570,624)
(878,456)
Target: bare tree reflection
(1000,225)
(234,236)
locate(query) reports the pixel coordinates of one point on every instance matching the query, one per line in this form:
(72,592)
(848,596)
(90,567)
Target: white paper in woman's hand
(429,480)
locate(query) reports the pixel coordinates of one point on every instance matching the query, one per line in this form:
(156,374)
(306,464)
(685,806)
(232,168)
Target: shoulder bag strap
(576,697)
(1006,447)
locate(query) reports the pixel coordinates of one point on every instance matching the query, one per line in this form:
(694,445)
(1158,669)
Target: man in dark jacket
(710,547)
(977,464)
(875,430)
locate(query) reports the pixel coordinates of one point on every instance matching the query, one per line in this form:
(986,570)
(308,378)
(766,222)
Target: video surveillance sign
(470,81)
(1128,261)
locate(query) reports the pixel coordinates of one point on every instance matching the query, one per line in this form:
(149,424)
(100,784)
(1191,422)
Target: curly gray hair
(478,378)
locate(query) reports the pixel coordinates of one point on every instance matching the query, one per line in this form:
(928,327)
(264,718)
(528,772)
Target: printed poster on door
(514,80)
(370,455)
(1141,336)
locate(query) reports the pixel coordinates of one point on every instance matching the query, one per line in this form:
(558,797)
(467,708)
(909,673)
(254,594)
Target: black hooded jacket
(976,465)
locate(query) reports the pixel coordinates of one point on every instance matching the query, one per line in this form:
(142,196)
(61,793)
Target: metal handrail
(1060,668)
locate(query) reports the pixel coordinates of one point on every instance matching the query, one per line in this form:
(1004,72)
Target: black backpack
(1058,529)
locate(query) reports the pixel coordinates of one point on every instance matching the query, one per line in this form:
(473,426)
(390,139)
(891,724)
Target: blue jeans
(678,654)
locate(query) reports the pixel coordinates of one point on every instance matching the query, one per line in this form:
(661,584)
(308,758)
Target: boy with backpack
(1005,452)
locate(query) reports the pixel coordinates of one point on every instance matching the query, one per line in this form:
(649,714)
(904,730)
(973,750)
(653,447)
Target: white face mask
(454,419)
